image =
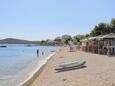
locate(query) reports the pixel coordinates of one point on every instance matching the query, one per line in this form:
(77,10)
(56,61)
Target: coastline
(99,70)
(37,72)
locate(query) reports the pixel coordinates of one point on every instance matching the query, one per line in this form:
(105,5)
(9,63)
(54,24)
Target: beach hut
(84,44)
(103,44)
(91,44)
(109,43)
(97,44)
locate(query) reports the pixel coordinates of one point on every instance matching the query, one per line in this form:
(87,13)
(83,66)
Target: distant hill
(16,41)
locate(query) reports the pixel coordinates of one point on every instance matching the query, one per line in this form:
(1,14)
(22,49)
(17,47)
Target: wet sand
(99,70)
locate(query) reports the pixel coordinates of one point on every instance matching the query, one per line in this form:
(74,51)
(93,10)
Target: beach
(99,70)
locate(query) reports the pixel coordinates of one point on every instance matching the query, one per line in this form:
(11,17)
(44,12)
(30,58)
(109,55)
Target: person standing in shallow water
(42,53)
(37,52)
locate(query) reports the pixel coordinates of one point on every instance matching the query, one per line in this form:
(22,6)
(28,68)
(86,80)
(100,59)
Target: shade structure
(104,43)
(108,36)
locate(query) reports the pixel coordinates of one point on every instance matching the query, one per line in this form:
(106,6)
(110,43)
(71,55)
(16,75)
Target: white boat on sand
(70,65)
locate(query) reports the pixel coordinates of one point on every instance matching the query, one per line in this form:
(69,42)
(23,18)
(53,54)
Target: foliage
(87,35)
(103,28)
(112,25)
(100,29)
(77,38)
(66,38)
(43,42)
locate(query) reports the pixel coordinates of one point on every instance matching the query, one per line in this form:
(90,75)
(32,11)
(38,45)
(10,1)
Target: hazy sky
(42,19)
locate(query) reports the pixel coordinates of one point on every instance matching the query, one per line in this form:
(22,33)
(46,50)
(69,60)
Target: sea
(19,62)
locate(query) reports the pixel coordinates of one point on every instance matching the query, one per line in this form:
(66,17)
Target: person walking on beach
(37,52)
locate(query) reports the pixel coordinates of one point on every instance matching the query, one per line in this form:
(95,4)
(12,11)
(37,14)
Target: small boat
(53,51)
(29,45)
(70,65)
(3,46)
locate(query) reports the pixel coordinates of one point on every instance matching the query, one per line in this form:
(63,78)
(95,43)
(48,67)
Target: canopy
(108,36)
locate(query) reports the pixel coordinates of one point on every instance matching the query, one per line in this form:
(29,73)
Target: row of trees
(66,38)
(100,29)
(103,28)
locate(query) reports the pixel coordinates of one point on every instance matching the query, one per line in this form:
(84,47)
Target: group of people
(38,53)
(74,48)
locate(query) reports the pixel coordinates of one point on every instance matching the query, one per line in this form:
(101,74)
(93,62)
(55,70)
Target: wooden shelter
(103,44)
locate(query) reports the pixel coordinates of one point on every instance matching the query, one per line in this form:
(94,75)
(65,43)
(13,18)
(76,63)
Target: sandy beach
(99,70)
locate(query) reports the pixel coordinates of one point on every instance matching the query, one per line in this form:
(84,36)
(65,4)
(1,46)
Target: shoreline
(99,70)
(38,71)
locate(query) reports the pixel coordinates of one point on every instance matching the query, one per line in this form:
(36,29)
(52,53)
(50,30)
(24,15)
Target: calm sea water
(17,62)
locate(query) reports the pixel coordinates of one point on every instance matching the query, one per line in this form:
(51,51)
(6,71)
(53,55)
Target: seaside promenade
(99,70)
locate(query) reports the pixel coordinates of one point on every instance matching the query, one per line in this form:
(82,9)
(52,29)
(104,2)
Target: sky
(47,19)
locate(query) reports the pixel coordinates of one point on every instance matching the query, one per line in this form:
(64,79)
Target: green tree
(112,25)
(87,35)
(109,28)
(95,31)
(43,42)
(66,38)
(77,38)
(100,29)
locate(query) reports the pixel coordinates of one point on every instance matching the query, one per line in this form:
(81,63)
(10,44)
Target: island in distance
(20,41)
